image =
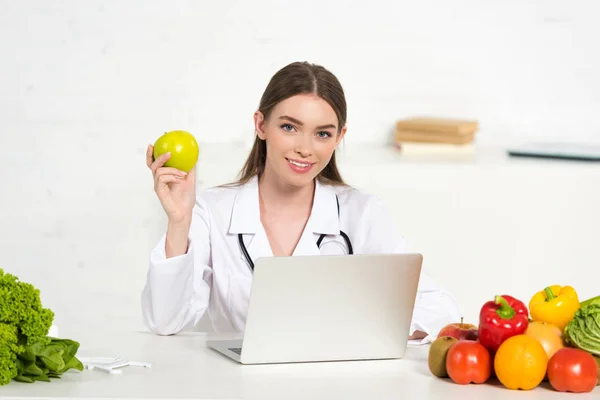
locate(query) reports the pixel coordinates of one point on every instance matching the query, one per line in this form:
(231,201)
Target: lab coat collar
(324,216)
(245,217)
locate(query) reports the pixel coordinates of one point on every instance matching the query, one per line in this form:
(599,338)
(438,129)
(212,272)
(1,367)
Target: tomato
(183,147)
(572,370)
(468,362)
(598,362)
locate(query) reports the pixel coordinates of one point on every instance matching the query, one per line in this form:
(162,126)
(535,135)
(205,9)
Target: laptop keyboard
(236,350)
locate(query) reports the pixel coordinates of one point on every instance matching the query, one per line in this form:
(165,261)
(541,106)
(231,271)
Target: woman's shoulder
(369,221)
(354,197)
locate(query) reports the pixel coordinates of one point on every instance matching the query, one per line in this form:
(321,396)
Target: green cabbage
(584,329)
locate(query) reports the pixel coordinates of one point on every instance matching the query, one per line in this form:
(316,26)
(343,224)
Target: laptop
(558,150)
(327,308)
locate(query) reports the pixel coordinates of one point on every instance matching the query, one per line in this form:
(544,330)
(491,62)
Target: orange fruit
(521,362)
(550,336)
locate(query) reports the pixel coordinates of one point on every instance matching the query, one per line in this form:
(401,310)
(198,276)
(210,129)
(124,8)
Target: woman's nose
(304,145)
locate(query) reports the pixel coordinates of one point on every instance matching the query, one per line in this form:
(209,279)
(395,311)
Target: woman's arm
(179,278)
(417,335)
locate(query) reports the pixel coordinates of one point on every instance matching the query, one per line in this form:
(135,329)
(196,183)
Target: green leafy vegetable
(584,329)
(42,362)
(587,302)
(27,353)
(8,352)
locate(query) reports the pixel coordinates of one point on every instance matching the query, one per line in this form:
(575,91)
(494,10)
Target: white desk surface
(184,368)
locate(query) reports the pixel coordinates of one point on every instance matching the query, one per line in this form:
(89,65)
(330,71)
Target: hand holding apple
(183,148)
(172,161)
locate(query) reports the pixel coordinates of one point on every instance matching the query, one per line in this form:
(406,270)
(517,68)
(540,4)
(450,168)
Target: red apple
(460,331)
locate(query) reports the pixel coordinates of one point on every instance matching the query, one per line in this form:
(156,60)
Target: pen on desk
(110,371)
(139,364)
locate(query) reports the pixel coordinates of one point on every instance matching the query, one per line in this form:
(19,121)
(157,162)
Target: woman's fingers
(164,179)
(170,171)
(159,162)
(149,155)
(166,175)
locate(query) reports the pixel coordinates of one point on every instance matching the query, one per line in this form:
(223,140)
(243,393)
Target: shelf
(370,155)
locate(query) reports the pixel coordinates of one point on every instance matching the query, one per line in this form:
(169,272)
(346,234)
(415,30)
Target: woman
(288,196)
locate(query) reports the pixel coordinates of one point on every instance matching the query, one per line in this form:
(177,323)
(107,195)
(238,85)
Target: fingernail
(182,173)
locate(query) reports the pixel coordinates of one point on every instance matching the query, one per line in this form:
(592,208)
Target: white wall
(102,68)
(85,86)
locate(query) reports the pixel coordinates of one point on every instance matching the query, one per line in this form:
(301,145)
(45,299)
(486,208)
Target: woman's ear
(340,136)
(259,122)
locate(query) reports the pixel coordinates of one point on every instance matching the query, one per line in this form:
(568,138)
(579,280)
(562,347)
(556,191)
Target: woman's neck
(276,195)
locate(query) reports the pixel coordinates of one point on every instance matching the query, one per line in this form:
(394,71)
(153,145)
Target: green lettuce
(27,353)
(583,331)
(593,300)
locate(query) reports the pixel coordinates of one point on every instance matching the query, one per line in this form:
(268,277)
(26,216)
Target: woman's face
(301,135)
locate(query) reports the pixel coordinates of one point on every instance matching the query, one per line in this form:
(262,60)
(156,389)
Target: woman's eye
(287,127)
(324,134)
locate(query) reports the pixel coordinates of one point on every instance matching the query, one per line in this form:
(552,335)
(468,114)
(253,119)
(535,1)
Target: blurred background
(85,86)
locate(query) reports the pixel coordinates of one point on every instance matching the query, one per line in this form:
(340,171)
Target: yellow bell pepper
(554,305)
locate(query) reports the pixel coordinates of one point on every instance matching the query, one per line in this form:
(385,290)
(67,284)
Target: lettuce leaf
(583,331)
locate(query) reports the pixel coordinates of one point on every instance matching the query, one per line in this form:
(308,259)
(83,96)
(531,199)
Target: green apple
(183,148)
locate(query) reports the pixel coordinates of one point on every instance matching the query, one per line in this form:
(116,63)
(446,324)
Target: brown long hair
(293,79)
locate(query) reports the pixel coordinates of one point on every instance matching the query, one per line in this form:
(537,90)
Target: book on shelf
(436,136)
(413,148)
(449,126)
(401,136)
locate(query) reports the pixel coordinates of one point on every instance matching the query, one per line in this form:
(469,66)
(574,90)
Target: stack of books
(431,135)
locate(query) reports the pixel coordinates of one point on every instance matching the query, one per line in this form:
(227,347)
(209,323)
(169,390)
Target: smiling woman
(306,146)
(302,119)
(289,200)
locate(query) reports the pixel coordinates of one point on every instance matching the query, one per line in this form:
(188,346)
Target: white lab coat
(214,276)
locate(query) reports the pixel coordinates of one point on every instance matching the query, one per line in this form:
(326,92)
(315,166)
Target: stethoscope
(346,238)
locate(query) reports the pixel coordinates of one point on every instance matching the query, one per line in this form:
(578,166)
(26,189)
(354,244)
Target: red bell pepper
(500,319)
